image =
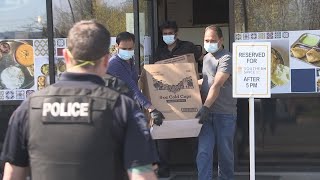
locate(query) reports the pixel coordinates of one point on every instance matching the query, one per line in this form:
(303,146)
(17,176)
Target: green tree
(113,17)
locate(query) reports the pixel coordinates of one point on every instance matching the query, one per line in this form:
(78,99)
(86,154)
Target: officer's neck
(83,71)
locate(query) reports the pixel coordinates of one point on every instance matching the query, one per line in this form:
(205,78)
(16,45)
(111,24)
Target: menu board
(295,59)
(24,66)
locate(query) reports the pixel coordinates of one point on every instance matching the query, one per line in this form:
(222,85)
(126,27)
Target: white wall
(195,35)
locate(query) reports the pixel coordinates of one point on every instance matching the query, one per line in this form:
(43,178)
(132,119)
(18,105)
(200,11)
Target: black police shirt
(129,123)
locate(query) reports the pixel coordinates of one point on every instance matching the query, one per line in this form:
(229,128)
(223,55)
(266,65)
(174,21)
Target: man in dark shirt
(173,47)
(78,128)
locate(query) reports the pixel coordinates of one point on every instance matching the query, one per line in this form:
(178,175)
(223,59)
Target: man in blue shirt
(122,66)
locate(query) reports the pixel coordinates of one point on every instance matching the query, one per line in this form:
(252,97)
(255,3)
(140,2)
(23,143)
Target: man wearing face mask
(174,46)
(219,111)
(122,66)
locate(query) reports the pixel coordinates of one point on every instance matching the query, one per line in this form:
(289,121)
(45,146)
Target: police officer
(79,129)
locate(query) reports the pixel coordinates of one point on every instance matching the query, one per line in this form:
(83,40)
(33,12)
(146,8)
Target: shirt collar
(123,61)
(68,76)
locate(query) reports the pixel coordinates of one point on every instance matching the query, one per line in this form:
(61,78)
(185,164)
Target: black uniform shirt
(182,48)
(129,124)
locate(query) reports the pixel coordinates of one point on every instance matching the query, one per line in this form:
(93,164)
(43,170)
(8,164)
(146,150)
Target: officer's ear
(105,60)
(66,55)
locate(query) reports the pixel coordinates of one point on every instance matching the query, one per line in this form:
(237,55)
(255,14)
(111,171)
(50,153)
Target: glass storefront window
(145,26)
(286,15)
(287,124)
(23,27)
(117,16)
(23,39)
(23,19)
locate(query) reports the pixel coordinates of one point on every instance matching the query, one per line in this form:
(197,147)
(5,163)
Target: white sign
(251,69)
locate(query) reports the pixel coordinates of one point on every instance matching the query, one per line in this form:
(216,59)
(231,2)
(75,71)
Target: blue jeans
(218,129)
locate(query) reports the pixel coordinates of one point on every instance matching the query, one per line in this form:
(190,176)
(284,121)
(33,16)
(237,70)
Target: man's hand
(203,114)
(157,117)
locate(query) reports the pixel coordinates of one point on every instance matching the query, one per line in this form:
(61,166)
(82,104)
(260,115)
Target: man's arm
(12,172)
(142,173)
(138,161)
(116,69)
(214,90)
(200,81)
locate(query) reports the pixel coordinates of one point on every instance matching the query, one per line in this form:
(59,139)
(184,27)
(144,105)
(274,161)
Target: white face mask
(211,47)
(168,39)
(125,54)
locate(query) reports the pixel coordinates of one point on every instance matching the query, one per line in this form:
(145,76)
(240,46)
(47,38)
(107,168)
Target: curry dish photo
(279,72)
(24,55)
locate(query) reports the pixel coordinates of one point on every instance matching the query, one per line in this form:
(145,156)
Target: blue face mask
(211,47)
(125,54)
(168,39)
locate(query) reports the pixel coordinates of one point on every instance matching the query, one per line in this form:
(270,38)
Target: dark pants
(164,153)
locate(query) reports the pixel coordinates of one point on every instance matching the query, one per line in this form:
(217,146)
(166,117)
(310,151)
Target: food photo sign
(24,66)
(295,59)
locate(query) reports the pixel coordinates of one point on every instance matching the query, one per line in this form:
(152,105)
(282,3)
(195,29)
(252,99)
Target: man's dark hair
(215,28)
(88,40)
(169,25)
(124,36)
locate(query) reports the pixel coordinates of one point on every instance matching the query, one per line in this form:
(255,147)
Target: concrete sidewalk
(259,176)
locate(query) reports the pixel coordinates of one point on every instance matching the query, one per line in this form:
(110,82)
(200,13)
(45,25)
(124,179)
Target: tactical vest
(70,135)
(117,85)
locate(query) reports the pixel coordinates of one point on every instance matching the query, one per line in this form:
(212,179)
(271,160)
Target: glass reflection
(117,16)
(23,19)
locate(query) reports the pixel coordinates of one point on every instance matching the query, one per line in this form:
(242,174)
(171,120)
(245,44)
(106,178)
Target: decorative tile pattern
(261,35)
(269,35)
(277,35)
(1,95)
(253,36)
(29,92)
(20,94)
(246,36)
(9,95)
(238,36)
(41,47)
(285,34)
(61,43)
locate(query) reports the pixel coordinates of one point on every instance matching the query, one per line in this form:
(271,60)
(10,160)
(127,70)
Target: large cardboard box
(173,90)
(187,58)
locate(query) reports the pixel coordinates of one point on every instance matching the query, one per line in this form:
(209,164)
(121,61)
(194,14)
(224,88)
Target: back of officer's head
(88,40)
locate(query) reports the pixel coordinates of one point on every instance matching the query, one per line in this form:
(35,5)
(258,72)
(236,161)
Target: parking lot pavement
(259,176)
